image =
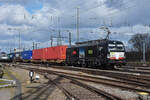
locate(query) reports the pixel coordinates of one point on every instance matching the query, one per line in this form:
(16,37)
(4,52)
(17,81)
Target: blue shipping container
(26,55)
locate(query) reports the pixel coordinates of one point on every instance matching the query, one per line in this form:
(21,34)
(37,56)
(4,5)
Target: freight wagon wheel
(86,65)
(47,65)
(68,64)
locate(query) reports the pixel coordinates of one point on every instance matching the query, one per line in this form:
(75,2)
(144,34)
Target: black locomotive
(96,53)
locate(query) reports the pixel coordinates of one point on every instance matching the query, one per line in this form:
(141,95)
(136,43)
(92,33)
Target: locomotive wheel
(112,67)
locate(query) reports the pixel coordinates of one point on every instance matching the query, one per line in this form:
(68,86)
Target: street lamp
(69,38)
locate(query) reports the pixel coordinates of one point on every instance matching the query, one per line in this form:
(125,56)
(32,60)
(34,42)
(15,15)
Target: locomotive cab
(116,53)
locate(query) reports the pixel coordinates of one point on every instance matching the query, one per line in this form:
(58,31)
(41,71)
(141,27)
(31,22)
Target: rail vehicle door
(81,53)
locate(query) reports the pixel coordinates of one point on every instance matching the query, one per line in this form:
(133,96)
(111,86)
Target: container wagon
(55,54)
(26,56)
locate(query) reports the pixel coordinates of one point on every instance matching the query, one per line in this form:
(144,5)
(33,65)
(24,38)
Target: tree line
(139,43)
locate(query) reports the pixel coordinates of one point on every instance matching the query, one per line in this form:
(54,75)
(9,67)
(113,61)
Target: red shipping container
(39,54)
(51,53)
(44,54)
(61,52)
(56,53)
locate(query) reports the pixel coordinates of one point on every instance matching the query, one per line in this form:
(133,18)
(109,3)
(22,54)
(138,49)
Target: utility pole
(36,45)
(111,22)
(10,50)
(77,24)
(144,52)
(33,45)
(51,38)
(69,39)
(19,41)
(59,37)
(58,41)
(104,23)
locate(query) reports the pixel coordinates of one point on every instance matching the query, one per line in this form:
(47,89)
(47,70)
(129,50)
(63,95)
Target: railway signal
(31,74)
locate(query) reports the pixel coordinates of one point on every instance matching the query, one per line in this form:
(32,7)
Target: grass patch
(3,84)
(7,76)
(2,81)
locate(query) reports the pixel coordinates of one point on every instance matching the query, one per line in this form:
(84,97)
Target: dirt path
(5,94)
(18,91)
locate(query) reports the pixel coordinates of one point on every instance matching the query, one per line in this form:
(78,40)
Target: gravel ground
(41,89)
(77,91)
(126,95)
(18,90)
(5,94)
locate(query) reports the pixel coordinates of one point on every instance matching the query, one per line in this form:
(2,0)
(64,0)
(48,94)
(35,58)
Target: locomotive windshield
(115,47)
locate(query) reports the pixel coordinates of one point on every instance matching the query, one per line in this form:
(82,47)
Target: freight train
(89,53)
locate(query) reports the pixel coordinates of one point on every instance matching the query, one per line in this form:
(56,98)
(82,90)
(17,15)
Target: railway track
(136,70)
(99,81)
(74,89)
(129,85)
(130,75)
(80,90)
(137,80)
(141,70)
(119,69)
(123,80)
(140,74)
(130,82)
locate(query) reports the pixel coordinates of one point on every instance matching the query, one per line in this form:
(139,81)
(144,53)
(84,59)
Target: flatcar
(96,53)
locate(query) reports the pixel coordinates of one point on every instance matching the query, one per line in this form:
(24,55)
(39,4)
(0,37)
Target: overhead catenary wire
(125,6)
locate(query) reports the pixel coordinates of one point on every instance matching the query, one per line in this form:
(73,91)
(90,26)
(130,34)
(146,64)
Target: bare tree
(137,41)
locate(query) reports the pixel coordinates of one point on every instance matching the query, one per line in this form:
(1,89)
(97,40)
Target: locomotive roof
(95,42)
(91,41)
